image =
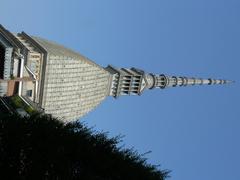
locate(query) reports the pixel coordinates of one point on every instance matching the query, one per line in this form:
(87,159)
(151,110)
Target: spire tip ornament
(230,81)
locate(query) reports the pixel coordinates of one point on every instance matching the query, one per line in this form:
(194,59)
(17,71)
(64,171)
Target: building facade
(61,82)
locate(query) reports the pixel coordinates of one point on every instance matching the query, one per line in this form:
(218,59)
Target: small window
(29,93)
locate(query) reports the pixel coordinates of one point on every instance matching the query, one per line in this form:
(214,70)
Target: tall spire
(163,81)
(134,81)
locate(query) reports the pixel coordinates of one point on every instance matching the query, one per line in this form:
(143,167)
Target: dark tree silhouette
(42,147)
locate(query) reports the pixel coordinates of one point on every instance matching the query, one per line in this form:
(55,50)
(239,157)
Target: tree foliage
(42,147)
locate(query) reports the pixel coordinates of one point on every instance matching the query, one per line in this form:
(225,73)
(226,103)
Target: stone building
(61,82)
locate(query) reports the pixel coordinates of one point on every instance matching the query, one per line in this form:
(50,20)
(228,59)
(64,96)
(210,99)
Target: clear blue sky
(192,131)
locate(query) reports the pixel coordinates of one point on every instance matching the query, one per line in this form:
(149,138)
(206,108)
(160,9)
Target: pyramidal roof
(73,85)
(61,82)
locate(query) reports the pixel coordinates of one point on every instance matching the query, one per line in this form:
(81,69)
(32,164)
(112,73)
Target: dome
(73,85)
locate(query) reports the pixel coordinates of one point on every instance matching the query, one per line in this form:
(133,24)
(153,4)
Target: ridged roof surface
(73,85)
